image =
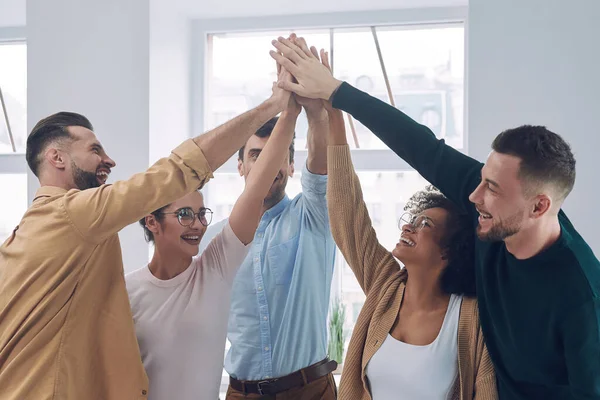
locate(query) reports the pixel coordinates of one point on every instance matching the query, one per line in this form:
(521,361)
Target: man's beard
(276,192)
(502,229)
(84,179)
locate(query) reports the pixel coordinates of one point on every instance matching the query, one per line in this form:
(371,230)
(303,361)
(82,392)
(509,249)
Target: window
(13,87)
(424,77)
(424,68)
(13,128)
(14,205)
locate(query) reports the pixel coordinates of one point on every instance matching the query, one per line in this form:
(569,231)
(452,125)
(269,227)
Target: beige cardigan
(382,280)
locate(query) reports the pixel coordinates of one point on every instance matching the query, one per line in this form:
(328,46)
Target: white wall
(242,8)
(536,62)
(92,57)
(169,78)
(12,13)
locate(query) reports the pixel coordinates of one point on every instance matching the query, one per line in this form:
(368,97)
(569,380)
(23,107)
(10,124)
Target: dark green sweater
(540,316)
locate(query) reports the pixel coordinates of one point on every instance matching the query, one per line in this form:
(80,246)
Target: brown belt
(278,385)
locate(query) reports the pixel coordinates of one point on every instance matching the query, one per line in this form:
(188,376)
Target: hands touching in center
(313,79)
(283,97)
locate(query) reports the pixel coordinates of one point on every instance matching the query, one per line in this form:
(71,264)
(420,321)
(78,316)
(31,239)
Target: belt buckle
(260,386)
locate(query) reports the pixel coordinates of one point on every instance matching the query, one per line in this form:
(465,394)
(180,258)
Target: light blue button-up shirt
(280,296)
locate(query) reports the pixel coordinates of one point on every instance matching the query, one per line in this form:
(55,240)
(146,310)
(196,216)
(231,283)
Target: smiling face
(170,236)
(89,164)
(420,241)
(500,199)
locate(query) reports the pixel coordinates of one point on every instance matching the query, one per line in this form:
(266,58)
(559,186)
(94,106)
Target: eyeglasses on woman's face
(186,216)
(416,222)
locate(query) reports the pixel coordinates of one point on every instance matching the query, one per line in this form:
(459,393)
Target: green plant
(337,336)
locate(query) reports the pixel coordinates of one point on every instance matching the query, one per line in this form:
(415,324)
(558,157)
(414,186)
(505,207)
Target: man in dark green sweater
(538,282)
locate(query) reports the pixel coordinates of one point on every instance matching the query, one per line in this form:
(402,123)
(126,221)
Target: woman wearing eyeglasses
(180,301)
(417,335)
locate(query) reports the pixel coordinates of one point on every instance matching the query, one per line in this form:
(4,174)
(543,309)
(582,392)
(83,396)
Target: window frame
(12,163)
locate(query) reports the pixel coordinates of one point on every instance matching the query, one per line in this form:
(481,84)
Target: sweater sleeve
(350,223)
(454,173)
(485,376)
(581,341)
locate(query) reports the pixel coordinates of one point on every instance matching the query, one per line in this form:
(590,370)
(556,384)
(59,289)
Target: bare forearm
(318,127)
(337,129)
(272,156)
(219,144)
(246,212)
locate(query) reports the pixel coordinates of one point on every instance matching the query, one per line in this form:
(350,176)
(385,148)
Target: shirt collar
(49,191)
(277,208)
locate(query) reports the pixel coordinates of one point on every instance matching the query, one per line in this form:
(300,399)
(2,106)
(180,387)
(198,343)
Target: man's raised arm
(101,212)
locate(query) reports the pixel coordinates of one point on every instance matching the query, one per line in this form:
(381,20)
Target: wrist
(316,116)
(290,114)
(331,89)
(271,106)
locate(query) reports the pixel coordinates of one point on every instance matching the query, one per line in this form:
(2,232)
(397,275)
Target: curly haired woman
(418,334)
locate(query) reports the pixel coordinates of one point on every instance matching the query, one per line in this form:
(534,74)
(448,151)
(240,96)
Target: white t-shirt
(405,371)
(181,323)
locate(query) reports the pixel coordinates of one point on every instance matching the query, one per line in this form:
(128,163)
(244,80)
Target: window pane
(13,206)
(426,72)
(425,69)
(13,82)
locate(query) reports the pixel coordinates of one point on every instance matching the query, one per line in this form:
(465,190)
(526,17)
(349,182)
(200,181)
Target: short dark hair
(48,130)
(158,214)
(545,157)
(265,131)
(458,243)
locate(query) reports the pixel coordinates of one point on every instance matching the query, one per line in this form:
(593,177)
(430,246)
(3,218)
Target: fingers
(278,68)
(301,43)
(289,49)
(284,62)
(284,75)
(325,59)
(290,87)
(314,52)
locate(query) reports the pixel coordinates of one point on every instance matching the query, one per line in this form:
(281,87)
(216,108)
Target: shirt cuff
(313,182)
(192,156)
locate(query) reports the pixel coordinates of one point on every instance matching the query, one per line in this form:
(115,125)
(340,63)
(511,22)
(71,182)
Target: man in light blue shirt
(280,297)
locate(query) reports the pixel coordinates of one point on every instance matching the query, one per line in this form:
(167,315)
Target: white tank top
(405,371)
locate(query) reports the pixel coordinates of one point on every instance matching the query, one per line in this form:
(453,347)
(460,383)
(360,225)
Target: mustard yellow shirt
(66,330)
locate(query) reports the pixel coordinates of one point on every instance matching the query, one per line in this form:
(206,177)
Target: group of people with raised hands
(490,292)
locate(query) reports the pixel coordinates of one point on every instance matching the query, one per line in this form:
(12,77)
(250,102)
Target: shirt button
(256,259)
(260,235)
(267,348)
(260,288)
(265,318)
(268,377)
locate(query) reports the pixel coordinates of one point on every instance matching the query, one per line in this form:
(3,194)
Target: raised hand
(313,78)
(285,99)
(313,107)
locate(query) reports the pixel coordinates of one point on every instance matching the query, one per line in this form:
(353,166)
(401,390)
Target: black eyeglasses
(417,222)
(186,216)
